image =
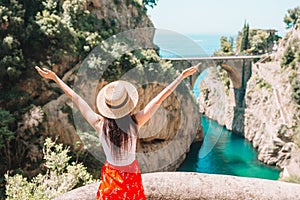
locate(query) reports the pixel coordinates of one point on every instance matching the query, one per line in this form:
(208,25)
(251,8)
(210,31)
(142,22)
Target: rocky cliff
(269,114)
(166,139)
(267,119)
(121,15)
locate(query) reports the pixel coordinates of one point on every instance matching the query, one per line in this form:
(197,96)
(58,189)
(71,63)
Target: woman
(118,131)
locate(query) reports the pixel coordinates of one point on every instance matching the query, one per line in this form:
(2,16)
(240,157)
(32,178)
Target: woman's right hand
(190,71)
(46,73)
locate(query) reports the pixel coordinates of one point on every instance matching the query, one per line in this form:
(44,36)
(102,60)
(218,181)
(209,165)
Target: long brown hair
(120,132)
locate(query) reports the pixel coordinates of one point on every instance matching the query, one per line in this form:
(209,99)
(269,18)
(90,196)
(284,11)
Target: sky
(220,16)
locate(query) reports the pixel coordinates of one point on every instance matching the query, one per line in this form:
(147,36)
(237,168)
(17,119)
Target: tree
(290,55)
(245,38)
(11,36)
(226,46)
(259,41)
(292,17)
(6,135)
(150,3)
(34,31)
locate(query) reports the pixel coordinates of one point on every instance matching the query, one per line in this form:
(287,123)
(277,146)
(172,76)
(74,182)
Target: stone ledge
(191,186)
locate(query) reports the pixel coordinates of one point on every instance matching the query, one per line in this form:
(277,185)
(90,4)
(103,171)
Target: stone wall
(192,186)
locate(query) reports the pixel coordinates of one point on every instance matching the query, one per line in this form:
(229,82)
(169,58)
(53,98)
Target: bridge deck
(218,58)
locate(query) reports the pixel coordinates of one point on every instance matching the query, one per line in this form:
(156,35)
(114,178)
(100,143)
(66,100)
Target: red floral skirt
(121,182)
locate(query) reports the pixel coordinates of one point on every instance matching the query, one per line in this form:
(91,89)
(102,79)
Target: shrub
(60,176)
(291,55)
(295,83)
(225,80)
(261,83)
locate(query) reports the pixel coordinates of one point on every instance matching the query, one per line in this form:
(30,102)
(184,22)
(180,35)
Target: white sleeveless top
(126,157)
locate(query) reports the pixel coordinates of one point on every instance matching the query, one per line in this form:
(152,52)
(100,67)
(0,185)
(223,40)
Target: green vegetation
(249,42)
(290,63)
(225,79)
(226,46)
(292,18)
(59,178)
(44,32)
(262,41)
(19,146)
(6,137)
(245,38)
(257,42)
(291,55)
(295,84)
(150,3)
(12,61)
(261,83)
(50,33)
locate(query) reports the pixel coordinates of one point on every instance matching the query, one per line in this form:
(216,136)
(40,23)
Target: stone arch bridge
(239,69)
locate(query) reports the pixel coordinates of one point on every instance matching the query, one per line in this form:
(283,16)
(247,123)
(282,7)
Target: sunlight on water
(225,153)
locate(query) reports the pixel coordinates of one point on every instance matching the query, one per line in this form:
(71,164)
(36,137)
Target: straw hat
(117,99)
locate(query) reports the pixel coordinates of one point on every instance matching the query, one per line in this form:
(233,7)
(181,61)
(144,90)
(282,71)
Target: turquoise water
(221,152)
(231,155)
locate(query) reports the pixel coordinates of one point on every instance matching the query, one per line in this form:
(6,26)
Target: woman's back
(125,157)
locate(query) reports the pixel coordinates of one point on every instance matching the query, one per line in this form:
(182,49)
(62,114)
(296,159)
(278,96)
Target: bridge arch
(233,74)
(239,69)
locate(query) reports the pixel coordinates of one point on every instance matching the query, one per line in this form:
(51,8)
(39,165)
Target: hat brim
(115,113)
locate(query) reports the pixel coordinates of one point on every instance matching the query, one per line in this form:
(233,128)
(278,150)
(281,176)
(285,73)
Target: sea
(231,154)
(173,44)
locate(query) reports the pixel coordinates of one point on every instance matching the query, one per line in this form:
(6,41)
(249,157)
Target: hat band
(120,105)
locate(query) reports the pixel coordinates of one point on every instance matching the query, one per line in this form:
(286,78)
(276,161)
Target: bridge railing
(218,58)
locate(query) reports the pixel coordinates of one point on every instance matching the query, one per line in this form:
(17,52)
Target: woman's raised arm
(144,115)
(87,112)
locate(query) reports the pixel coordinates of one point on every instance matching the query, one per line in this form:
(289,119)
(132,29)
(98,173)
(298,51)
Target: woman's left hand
(190,71)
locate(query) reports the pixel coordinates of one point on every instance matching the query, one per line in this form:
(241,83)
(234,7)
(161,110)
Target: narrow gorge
(75,38)
(267,117)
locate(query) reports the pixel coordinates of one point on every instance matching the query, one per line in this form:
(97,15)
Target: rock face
(167,137)
(212,98)
(268,116)
(164,140)
(218,103)
(191,186)
(123,15)
(269,113)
